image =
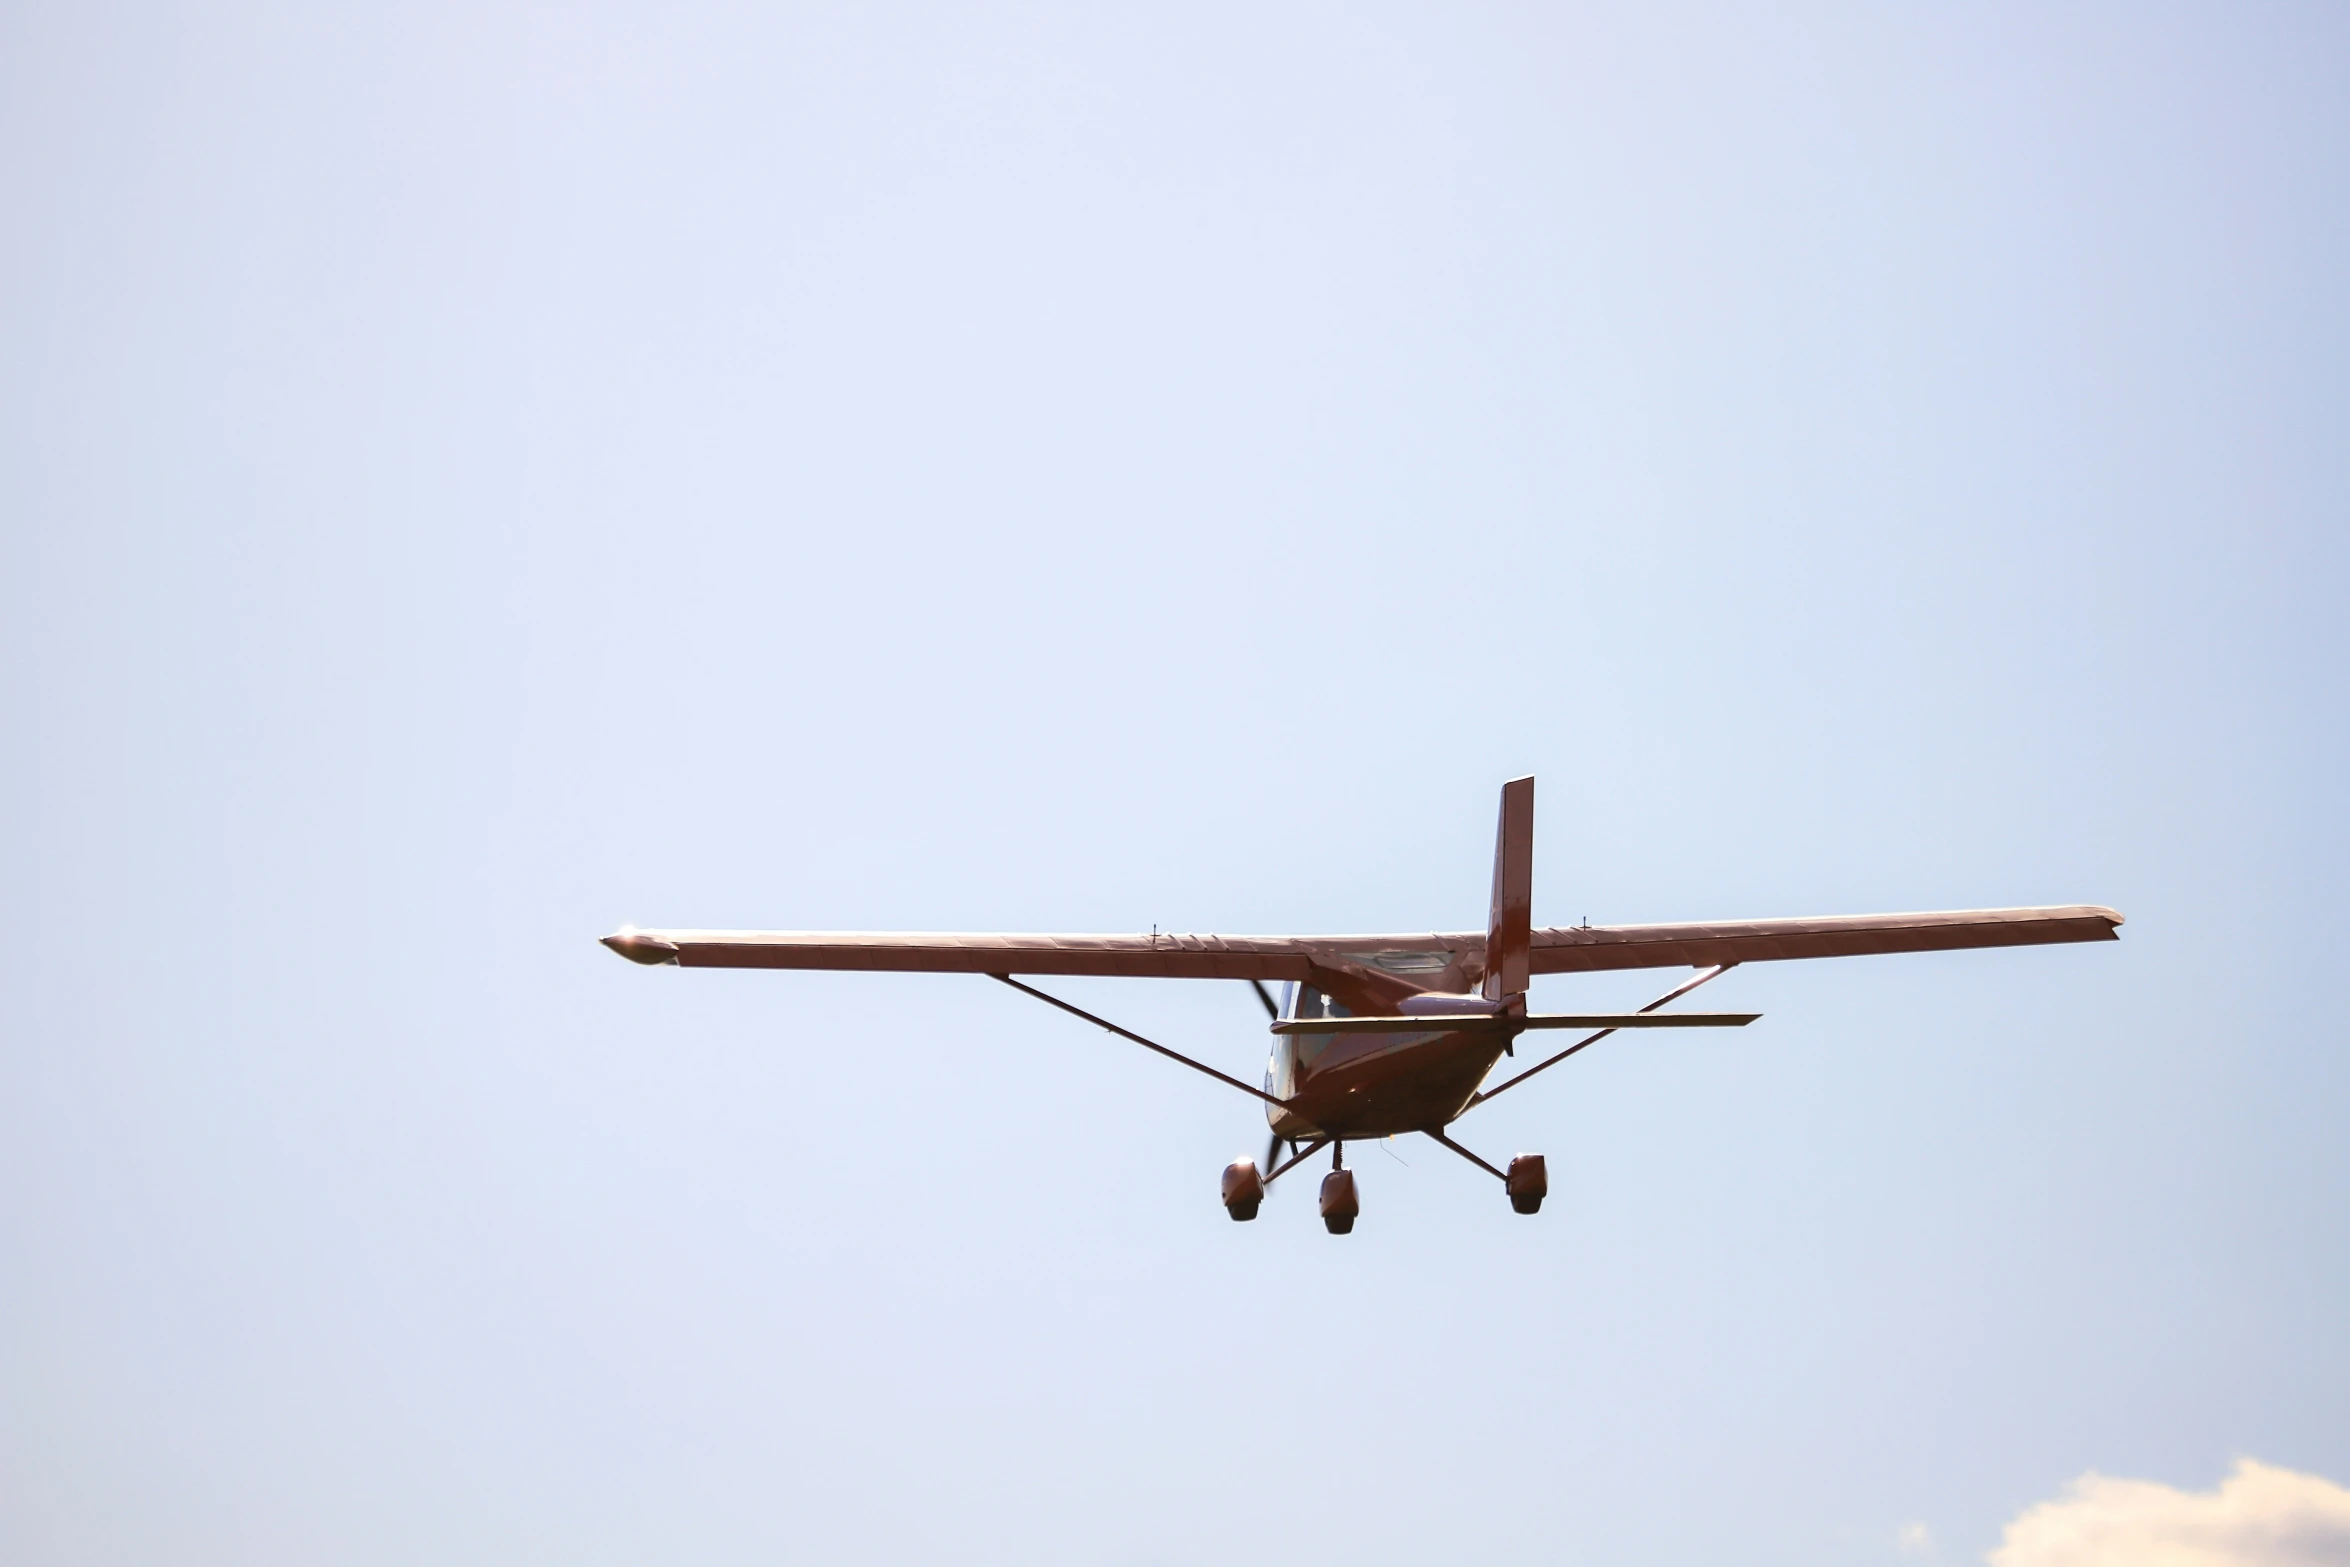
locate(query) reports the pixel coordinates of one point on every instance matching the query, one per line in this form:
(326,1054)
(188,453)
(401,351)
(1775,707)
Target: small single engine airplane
(1376,1036)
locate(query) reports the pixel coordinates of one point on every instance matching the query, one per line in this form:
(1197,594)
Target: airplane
(1383,1036)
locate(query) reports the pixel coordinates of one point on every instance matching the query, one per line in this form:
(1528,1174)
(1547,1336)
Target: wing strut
(1675,994)
(1123,1033)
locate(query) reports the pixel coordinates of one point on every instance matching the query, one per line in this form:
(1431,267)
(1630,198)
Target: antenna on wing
(1509,930)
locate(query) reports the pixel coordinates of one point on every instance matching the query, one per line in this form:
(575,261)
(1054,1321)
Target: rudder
(1509,930)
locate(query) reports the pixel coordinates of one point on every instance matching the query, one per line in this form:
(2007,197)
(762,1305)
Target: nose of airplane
(638,947)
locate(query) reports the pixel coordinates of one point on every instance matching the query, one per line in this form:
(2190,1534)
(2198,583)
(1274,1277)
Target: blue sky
(473,476)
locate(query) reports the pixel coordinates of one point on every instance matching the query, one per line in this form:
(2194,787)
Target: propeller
(1273,1143)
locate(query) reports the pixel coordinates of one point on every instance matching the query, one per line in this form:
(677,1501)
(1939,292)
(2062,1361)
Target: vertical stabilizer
(1509,932)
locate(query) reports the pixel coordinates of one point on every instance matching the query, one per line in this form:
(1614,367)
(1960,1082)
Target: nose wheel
(1340,1205)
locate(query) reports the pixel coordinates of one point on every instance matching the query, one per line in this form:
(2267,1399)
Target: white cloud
(2259,1517)
(1914,1540)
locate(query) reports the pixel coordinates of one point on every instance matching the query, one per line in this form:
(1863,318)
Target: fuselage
(1371,1085)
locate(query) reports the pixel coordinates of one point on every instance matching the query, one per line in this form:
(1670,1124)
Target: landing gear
(1340,1206)
(1245,1185)
(1528,1183)
(1244,1189)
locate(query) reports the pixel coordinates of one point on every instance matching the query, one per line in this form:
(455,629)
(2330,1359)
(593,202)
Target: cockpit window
(1307,1002)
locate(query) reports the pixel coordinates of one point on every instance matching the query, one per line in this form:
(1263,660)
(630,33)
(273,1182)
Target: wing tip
(638,947)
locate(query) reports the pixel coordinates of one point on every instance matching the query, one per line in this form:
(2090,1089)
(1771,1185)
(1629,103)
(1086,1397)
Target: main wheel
(1340,1206)
(1244,1189)
(1529,1183)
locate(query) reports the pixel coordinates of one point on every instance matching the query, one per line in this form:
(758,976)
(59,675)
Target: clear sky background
(476,475)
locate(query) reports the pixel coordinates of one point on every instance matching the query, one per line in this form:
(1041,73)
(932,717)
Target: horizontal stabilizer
(1642,1019)
(1473,1022)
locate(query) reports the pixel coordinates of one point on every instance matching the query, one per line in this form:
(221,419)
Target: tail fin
(1509,933)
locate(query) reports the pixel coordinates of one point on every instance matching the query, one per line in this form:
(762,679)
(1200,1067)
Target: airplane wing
(1582,949)
(1365,973)
(1320,961)
(954,952)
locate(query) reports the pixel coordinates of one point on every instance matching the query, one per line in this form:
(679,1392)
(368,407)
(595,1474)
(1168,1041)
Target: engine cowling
(1244,1189)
